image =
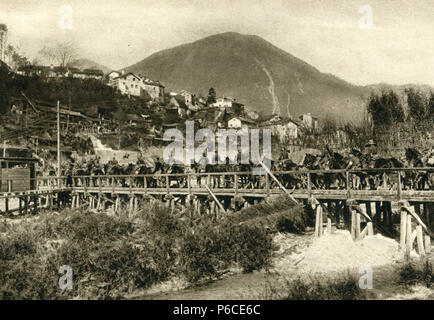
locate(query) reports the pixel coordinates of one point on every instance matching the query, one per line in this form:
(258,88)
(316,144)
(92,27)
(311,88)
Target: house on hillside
(113,75)
(89,74)
(309,121)
(129,83)
(154,88)
(271,119)
(286,130)
(238,122)
(229,103)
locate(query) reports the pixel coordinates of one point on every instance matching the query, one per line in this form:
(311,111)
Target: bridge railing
(396,179)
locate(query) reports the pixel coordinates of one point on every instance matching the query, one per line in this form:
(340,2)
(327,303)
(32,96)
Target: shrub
(293,222)
(412,273)
(281,214)
(254,248)
(110,256)
(314,288)
(198,257)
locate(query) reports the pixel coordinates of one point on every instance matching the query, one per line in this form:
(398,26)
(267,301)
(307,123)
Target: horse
(289,180)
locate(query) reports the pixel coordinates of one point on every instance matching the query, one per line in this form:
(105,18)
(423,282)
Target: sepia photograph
(216,155)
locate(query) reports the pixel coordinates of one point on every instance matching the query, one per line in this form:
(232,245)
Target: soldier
(114,162)
(68,173)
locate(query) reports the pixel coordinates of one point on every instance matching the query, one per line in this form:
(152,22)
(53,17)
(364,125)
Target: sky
(361,41)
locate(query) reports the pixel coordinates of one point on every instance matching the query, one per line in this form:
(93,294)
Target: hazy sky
(398,49)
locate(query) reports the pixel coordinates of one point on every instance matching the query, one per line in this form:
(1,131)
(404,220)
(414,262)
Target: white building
(309,121)
(129,83)
(224,102)
(188,96)
(285,130)
(240,123)
(112,75)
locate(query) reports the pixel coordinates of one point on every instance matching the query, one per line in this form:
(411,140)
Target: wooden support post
(408,240)
(189,184)
(321,227)
(318,221)
(35,204)
(403,229)
(370,227)
(215,198)
(329,226)
(368,209)
(26,205)
(98,205)
(131,205)
(399,186)
(419,237)
(427,239)
(353,225)
(426,214)
(212,211)
(267,185)
(357,226)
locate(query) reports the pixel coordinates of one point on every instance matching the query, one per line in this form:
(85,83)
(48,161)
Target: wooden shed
(17,174)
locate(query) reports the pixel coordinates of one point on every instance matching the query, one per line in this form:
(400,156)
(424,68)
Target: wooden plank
(215,199)
(408,241)
(427,239)
(419,236)
(370,229)
(403,229)
(278,182)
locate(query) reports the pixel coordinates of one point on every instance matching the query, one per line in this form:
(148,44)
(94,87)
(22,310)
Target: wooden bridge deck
(331,194)
(388,191)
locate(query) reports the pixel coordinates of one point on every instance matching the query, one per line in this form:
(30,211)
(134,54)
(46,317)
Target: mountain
(89,64)
(256,73)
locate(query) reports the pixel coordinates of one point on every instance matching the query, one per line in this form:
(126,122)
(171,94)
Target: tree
(211,96)
(416,105)
(62,53)
(15,59)
(385,110)
(430,110)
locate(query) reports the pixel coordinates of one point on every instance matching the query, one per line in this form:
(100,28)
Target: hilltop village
(132,115)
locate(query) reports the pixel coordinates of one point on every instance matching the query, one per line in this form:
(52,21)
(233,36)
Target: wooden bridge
(343,202)
(231,184)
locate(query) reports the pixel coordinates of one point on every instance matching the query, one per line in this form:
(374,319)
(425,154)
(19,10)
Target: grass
(344,287)
(111,256)
(412,273)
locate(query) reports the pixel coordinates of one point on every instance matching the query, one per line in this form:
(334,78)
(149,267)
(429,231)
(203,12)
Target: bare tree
(62,53)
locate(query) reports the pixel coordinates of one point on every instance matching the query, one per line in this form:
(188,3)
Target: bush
(293,222)
(413,273)
(209,250)
(281,215)
(110,256)
(254,248)
(314,288)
